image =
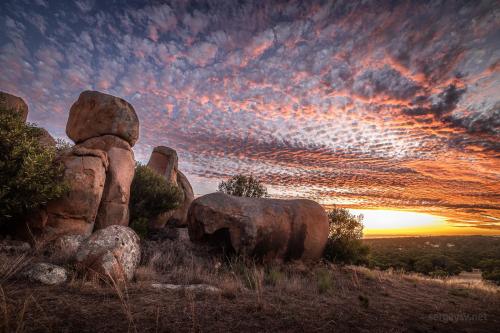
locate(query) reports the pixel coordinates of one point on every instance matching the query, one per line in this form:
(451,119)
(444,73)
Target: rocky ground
(182,288)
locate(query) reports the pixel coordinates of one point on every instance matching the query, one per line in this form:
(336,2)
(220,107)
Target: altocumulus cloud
(361,103)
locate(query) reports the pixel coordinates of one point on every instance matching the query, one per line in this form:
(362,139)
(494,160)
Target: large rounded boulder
(113,252)
(269,229)
(96,114)
(15,104)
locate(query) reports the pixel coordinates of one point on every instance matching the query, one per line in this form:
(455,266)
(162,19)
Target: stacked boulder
(165,162)
(99,169)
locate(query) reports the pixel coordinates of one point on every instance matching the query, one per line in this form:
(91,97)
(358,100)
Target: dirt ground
(356,301)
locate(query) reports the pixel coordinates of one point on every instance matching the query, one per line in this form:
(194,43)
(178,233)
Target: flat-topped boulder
(96,114)
(165,162)
(269,229)
(15,104)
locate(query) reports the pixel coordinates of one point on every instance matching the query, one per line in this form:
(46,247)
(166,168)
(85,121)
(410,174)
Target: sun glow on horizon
(380,223)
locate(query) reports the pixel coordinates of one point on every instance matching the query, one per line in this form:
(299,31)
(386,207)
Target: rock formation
(98,169)
(14,103)
(114,207)
(265,228)
(96,114)
(110,252)
(164,161)
(75,212)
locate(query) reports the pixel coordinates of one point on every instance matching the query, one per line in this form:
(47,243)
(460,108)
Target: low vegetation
(150,195)
(438,256)
(30,173)
(243,186)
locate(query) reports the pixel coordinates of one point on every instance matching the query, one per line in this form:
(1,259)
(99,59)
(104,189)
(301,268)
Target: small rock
(189,287)
(11,246)
(46,274)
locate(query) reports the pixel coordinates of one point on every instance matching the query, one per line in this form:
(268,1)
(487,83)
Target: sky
(389,108)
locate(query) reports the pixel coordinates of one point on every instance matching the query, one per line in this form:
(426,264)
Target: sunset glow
(389,108)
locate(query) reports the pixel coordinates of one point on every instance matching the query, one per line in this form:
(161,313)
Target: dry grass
(292,297)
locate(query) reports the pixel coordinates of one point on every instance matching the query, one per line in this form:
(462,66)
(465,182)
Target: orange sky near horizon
(399,223)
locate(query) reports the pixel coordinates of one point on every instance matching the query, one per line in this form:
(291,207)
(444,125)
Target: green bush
(344,240)
(243,186)
(30,174)
(150,195)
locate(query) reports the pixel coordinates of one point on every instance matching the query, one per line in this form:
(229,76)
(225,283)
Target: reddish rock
(95,114)
(266,228)
(14,103)
(75,212)
(164,161)
(114,207)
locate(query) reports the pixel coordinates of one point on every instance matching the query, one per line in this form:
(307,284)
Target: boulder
(46,273)
(46,139)
(269,229)
(114,207)
(75,212)
(96,114)
(179,216)
(17,104)
(164,161)
(110,252)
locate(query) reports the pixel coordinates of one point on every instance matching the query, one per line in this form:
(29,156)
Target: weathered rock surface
(46,274)
(75,212)
(46,139)
(14,246)
(164,161)
(188,287)
(265,228)
(96,114)
(64,248)
(110,252)
(12,102)
(114,206)
(179,216)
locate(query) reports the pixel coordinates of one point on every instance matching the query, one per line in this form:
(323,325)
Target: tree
(30,174)
(243,186)
(150,195)
(344,240)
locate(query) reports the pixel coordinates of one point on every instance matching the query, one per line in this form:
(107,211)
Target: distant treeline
(438,256)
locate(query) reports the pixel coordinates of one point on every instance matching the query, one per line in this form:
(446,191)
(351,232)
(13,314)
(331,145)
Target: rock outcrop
(99,169)
(114,207)
(164,161)
(96,114)
(110,252)
(75,212)
(14,103)
(265,228)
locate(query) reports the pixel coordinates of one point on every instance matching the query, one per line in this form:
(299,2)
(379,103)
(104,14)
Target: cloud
(386,105)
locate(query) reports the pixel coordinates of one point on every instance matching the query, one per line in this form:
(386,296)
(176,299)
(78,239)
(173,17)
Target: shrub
(243,186)
(344,240)
(30,174)
(150,195)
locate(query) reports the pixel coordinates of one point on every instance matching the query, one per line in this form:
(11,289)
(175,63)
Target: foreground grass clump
(30,173)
